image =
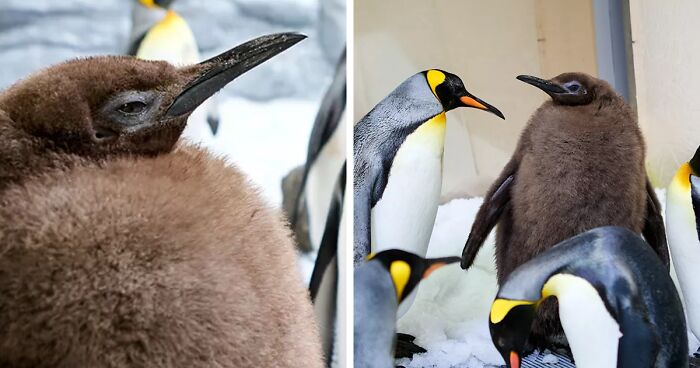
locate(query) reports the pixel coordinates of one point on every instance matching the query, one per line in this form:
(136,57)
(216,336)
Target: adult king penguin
(381,284)
(159,33)
(398,149)
(617,303)
(579,164)
(105,259)
(325,157)
(683,222)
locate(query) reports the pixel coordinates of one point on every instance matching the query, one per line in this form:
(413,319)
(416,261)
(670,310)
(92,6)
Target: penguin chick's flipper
(654,231)
(489,213)
(405,347)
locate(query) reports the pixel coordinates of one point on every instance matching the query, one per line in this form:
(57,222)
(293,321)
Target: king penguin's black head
(695,162)
(570,89)
(450,91)
(510,322)
(105,105)
(407,269)
(165,4)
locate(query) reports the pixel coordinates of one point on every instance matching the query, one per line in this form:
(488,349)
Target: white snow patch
(550,359)
(265,139)
(305,263)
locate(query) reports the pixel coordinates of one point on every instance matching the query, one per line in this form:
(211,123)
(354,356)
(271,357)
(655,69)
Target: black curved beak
(545,85)
(470,100)
(222,69)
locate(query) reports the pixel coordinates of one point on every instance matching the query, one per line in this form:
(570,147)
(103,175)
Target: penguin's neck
(22,156)
(593,334)
(429,135)
(680,202)
(683,243)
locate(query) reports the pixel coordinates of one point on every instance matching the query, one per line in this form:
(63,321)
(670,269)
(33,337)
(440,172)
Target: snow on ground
(265,140)
(449,317)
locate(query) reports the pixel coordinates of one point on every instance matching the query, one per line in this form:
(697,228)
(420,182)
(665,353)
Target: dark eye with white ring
(132,108)
(574,87)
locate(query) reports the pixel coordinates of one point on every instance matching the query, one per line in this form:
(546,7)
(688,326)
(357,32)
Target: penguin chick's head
(407,269)
(450,91)
(570,89)
(164,4)
(105,105)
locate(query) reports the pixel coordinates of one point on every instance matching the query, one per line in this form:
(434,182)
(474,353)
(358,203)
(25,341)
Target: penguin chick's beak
(545,85)
(473,101)
(222,69)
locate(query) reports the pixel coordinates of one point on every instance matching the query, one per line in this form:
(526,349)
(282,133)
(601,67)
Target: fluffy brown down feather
(575,168)
(170,261)
(122,253)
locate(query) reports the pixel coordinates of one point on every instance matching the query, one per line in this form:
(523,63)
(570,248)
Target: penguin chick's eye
(575,87)
(132,108)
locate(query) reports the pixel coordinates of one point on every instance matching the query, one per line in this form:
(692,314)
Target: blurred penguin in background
(159,33)
(312,194)
(683,225)
(314,198)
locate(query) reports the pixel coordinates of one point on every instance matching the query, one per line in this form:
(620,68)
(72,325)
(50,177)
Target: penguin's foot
(694,360)
(405,348)
(556,343)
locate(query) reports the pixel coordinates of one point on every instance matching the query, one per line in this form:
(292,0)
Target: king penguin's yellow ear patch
(501,307)
(148,3)
(400,273)
(435,78)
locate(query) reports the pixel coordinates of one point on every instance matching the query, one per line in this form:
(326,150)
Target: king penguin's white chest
(684,244)
(404,216)
(593,334)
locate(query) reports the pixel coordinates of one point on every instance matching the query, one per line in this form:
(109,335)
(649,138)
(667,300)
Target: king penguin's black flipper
(134,47)
(329,242)
(489,213)
(325,274)
(654,231)
(327,120)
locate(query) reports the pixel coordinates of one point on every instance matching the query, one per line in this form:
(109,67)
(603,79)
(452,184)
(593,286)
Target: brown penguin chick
(105,259)
(579,164)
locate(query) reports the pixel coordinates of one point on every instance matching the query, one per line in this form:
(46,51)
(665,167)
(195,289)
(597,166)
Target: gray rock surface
(37,33)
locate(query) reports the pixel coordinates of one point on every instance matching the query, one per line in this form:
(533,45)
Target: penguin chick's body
(119,249)
(111,265)
(381,284)
(579,164)
(617,303)
(398,148)
(682,207)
